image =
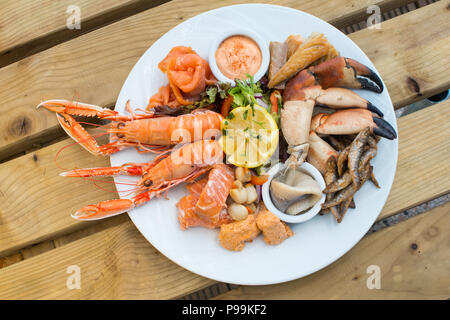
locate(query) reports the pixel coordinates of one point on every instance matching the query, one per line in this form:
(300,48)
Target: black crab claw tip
(363,73)
(369,85)
(384,129)
(374,109)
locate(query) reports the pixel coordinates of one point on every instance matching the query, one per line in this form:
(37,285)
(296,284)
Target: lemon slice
(249,136)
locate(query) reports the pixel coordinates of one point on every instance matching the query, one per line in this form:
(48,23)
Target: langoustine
(145,132)
(157,177)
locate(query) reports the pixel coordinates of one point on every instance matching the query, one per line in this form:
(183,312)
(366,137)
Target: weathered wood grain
(410,52)
(28,27)
(411,256)
(423,167)
(36,201)
(121,239)
(93,67)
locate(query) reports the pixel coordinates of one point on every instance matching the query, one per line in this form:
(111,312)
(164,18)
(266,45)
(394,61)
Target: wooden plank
(117,263)
(411,57)
(37,201)
(89,248)
(29,27)
(92,67)
(412,257)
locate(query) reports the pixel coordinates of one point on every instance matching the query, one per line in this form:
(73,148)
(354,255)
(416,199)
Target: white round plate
(317,242)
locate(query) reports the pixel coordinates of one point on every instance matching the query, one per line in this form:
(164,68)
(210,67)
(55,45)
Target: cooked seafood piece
(187,215)
(157,177)
(315,47)
(273,229)
(338,72)
(332,53)
(145,132)
(373,179)
(293,42)
(351,121)
(330,176)
(188,76)
(232,236)
(368,154)
(336,143)
(342,160)
(352,204)
(340,183)
(319,152)
(354,155)
(278,52)
(347,192)
(212,199)
(308,89)
(295,192)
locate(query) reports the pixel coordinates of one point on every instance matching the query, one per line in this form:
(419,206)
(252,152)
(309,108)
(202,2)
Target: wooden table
(41,59)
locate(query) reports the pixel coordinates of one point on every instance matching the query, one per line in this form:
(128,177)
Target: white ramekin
(234,32)
(311,213)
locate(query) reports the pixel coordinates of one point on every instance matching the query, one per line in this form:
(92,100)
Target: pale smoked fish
(332,53)
(315,47)
(278,51)
(293,42)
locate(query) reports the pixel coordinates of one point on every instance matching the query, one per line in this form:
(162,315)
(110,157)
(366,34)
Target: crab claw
(103,209)
(335,98)
(319,152)
(348,73)
(337,72)
(351,121)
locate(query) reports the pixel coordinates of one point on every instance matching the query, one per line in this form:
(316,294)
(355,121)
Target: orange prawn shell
(164,131)
(182,162)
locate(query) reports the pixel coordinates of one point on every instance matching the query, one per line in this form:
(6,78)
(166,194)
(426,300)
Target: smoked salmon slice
(215,193)
(205,205)
(188,76)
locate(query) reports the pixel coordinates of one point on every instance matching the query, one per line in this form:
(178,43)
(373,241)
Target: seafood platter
(268,146)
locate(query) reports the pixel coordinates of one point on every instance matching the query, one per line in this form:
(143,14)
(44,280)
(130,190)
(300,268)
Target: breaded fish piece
(274,230)
(232,236)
